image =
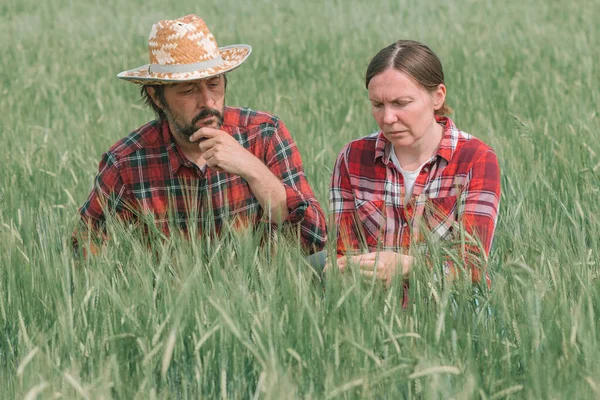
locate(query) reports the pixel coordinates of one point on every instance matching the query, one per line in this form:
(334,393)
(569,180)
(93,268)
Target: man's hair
(159,90)
(160,93)
(413,59)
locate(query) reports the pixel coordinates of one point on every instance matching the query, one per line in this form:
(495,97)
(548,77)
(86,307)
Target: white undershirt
(410,177)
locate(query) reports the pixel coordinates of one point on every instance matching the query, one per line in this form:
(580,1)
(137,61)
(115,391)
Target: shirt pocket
(371,220)
(440,217)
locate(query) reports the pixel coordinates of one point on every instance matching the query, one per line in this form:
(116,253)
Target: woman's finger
(377,274)
(363,261)
(367,274)
(372,266)
(369,263)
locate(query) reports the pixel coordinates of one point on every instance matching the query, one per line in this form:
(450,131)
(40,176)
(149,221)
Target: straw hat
(185,50)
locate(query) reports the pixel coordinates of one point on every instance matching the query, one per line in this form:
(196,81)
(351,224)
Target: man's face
(193,105)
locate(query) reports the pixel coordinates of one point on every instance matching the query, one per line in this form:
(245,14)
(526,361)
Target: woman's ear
(439,96)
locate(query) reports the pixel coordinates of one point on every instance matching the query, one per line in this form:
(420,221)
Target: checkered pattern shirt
(147,173)
(458,189)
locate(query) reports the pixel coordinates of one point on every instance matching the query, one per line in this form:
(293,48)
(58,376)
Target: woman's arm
(478,212)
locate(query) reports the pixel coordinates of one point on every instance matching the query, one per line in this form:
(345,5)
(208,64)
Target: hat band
(183,68)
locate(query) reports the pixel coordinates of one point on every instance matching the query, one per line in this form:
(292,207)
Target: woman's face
(403,109)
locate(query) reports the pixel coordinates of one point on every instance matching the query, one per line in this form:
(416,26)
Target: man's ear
(154,97)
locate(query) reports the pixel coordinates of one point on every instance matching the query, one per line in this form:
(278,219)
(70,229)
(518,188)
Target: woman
(419,178)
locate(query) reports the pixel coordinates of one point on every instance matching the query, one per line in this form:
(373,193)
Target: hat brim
(233,56)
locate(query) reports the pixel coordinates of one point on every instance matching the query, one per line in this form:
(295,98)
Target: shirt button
(426,169)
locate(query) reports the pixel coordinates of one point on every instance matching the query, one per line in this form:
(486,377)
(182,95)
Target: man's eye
(377,105)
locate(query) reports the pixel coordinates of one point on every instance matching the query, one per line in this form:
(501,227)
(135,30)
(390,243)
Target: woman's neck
(413,156)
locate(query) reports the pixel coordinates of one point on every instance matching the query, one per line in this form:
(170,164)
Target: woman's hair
(413,59)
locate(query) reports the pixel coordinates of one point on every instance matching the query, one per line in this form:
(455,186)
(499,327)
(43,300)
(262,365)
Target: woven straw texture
(178,43)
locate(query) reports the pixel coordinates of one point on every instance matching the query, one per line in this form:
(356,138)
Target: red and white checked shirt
(146,172)
(458,186)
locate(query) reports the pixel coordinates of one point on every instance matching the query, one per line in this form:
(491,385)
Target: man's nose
(207,98)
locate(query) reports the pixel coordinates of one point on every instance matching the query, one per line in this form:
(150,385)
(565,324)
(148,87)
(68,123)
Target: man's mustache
(205,113)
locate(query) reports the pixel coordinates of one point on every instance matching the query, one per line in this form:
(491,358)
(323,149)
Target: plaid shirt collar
(383,147)
(176,156)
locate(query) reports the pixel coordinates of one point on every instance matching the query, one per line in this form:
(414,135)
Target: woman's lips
(396,132)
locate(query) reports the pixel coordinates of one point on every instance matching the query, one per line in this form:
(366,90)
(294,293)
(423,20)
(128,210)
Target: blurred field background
(229,322)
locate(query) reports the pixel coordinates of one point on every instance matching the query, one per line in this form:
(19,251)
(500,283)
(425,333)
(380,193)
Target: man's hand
(384,265)
(224,154)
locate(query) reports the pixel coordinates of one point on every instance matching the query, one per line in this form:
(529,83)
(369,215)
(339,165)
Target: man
(201,162)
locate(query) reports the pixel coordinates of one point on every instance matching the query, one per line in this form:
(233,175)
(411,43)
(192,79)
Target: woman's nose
(389,117)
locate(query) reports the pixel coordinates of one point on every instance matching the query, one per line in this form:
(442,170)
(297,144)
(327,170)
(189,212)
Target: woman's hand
(384,265)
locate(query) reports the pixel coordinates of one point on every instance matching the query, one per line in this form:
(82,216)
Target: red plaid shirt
(146,172)
(458,186)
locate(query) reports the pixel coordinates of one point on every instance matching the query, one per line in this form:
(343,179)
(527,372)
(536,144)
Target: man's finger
(206,145)
(208,154)
(213,164)
(206,133)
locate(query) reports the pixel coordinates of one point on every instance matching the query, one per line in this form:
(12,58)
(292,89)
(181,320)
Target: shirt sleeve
(343,208)
(478,211)
(305,213)
(107,196)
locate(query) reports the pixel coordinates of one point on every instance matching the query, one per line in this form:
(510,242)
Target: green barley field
(224,319)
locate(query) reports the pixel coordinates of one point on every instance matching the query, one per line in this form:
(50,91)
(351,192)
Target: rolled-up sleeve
(478,214)
(305,213)
(107,196)
(478,211)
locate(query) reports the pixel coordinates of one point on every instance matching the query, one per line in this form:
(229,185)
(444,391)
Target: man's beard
(186,130)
